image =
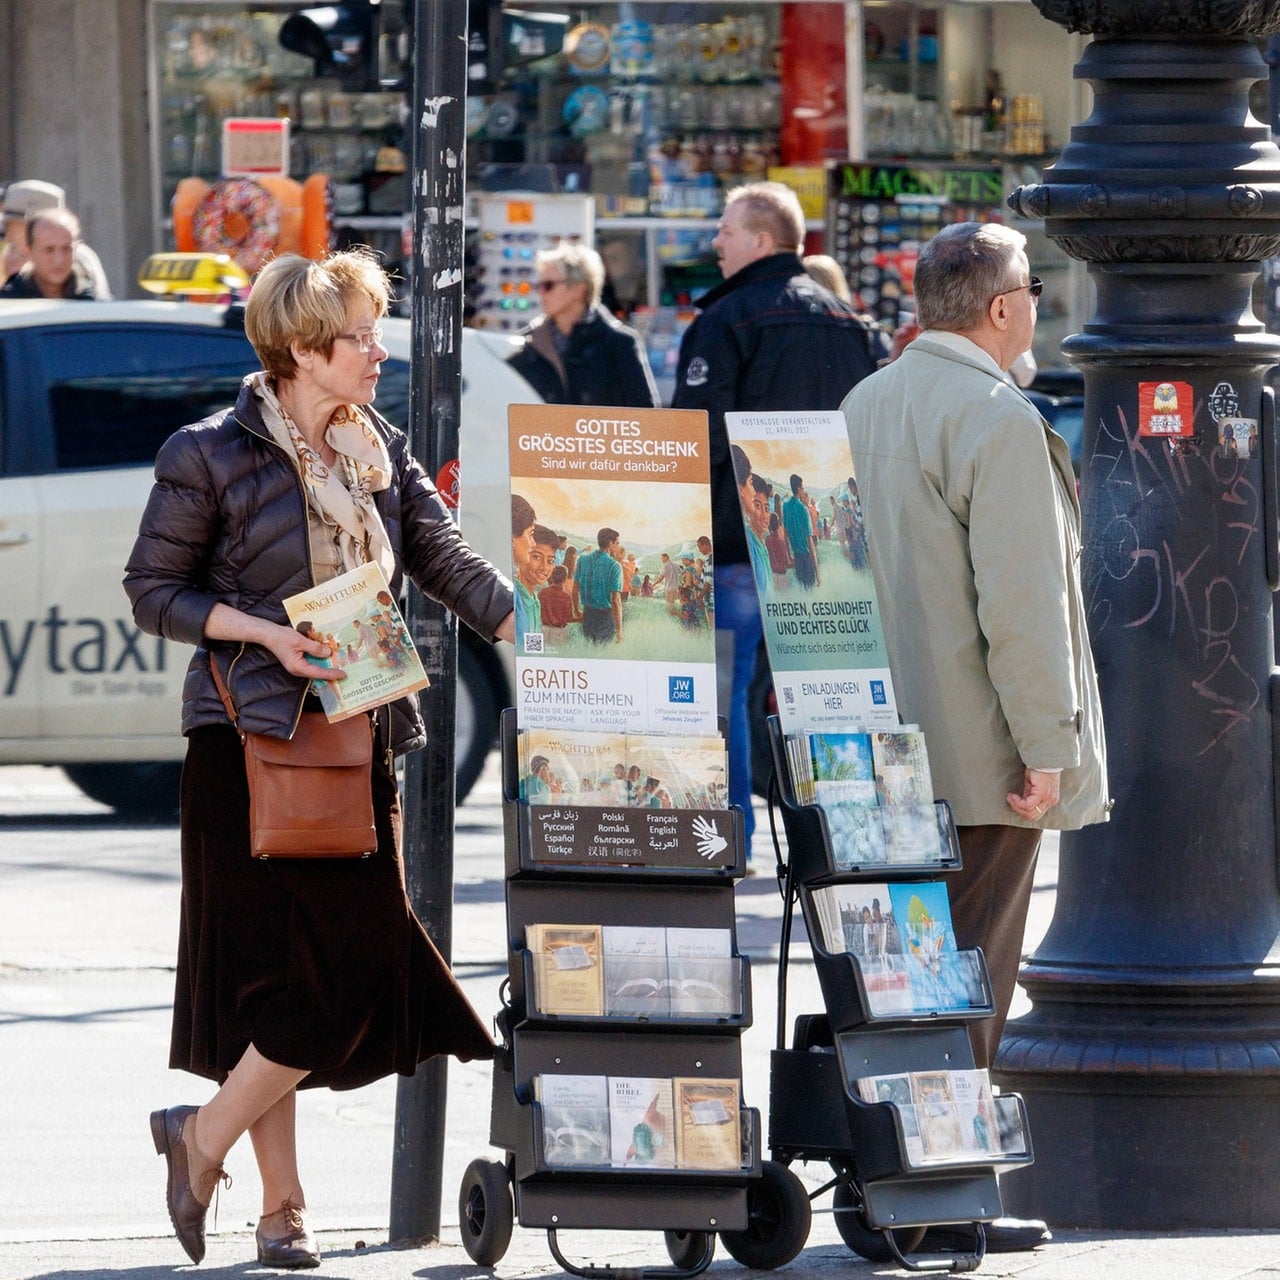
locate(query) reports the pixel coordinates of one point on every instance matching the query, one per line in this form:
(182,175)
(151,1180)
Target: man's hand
(1040,792)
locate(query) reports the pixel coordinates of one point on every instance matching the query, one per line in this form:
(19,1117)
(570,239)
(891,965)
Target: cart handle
(590,1271)
(962,1262)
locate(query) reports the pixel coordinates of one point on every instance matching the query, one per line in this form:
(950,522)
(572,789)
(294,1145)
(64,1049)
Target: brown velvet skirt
(319,963)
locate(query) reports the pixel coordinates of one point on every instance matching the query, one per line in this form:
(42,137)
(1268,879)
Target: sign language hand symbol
(710,841)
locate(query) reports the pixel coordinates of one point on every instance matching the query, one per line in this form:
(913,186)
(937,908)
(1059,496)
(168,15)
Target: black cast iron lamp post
(1151,1058)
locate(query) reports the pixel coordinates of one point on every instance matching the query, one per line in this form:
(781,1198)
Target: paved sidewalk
(88,921)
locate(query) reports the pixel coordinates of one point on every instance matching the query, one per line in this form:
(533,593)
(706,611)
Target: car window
(393,393)
(116,393)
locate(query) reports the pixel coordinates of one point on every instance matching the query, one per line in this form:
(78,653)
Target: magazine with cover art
(356,615)
(897,1090)
(642,1123)
(708,1123)
(844,757)
(573,768)
(942,978)
(901,767)
(821,617)
(678,771)
(857,918)
(856,832)
(976,1111)
(936,1115)
(612,497)
(567,968)
(575,1119)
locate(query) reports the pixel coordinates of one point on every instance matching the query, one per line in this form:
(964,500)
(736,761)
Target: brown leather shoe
(284,1241)
(186,1211)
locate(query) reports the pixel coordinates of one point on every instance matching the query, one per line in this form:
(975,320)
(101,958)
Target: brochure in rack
(821,616)
(356,615)
(644,474)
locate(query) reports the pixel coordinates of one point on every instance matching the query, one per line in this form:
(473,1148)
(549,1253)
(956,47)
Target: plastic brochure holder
(673,869)
(892,1180)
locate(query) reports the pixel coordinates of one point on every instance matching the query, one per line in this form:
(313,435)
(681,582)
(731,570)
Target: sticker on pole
(1165,409)
(447,484)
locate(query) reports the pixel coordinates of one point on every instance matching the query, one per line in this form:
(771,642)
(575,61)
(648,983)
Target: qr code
(788,695)
(533,642)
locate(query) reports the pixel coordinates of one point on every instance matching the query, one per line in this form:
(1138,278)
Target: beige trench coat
(973,530)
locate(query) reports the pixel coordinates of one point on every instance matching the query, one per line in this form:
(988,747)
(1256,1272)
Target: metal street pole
(1151,1059)
(437,107)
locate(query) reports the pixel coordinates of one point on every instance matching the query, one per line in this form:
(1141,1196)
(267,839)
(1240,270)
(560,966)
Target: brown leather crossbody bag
(310,796)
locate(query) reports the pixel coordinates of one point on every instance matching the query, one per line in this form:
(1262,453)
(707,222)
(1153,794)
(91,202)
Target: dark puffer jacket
(605,363)
(226,523)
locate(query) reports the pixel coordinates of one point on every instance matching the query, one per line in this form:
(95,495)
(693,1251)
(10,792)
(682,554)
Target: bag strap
(223,693)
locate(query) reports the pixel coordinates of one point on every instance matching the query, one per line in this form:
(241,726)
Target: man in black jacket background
(768,338)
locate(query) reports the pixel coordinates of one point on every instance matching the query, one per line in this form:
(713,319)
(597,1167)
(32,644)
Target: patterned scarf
(342,495)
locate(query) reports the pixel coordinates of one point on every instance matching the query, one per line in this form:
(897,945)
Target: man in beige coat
(973,532)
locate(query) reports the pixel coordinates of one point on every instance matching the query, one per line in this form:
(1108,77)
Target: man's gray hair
(579,264)
(771,207)
(961,269)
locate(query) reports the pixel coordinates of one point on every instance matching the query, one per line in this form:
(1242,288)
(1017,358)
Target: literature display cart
(617,1089)
(882,1085)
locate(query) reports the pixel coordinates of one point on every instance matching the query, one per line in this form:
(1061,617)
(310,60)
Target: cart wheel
(778,1218)
(866,1241)
(687,1249)
(485,1212)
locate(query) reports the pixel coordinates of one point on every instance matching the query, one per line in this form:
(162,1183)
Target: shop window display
(333,75)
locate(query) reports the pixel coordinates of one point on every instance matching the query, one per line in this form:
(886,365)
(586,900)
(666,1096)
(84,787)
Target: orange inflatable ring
(239,217)
(317,216)
(251,220)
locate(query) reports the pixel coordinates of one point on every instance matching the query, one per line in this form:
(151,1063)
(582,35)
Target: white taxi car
(88,391)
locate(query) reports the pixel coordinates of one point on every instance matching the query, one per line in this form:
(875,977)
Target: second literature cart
(882,1085)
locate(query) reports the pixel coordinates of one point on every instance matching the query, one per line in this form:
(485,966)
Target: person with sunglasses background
(575,352)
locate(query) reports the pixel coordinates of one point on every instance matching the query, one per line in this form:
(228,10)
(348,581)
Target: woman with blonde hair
(293,973)
(826,271)
(575,352)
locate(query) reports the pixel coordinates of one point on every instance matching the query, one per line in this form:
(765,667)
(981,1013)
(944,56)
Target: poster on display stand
(821,618)
(645,474)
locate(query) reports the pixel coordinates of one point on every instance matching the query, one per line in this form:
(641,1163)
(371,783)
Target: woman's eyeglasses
(545,286)
(365,340)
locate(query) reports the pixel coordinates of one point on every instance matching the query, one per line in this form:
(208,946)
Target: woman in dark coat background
(293,973)
(576,352)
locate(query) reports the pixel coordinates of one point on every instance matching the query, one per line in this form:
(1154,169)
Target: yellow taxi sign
(192,275)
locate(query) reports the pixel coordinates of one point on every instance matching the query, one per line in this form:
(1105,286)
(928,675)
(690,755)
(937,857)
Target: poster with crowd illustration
(808,548)
(612,564)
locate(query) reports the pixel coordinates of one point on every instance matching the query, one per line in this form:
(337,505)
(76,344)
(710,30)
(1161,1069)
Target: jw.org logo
(878,698)
(680,688)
